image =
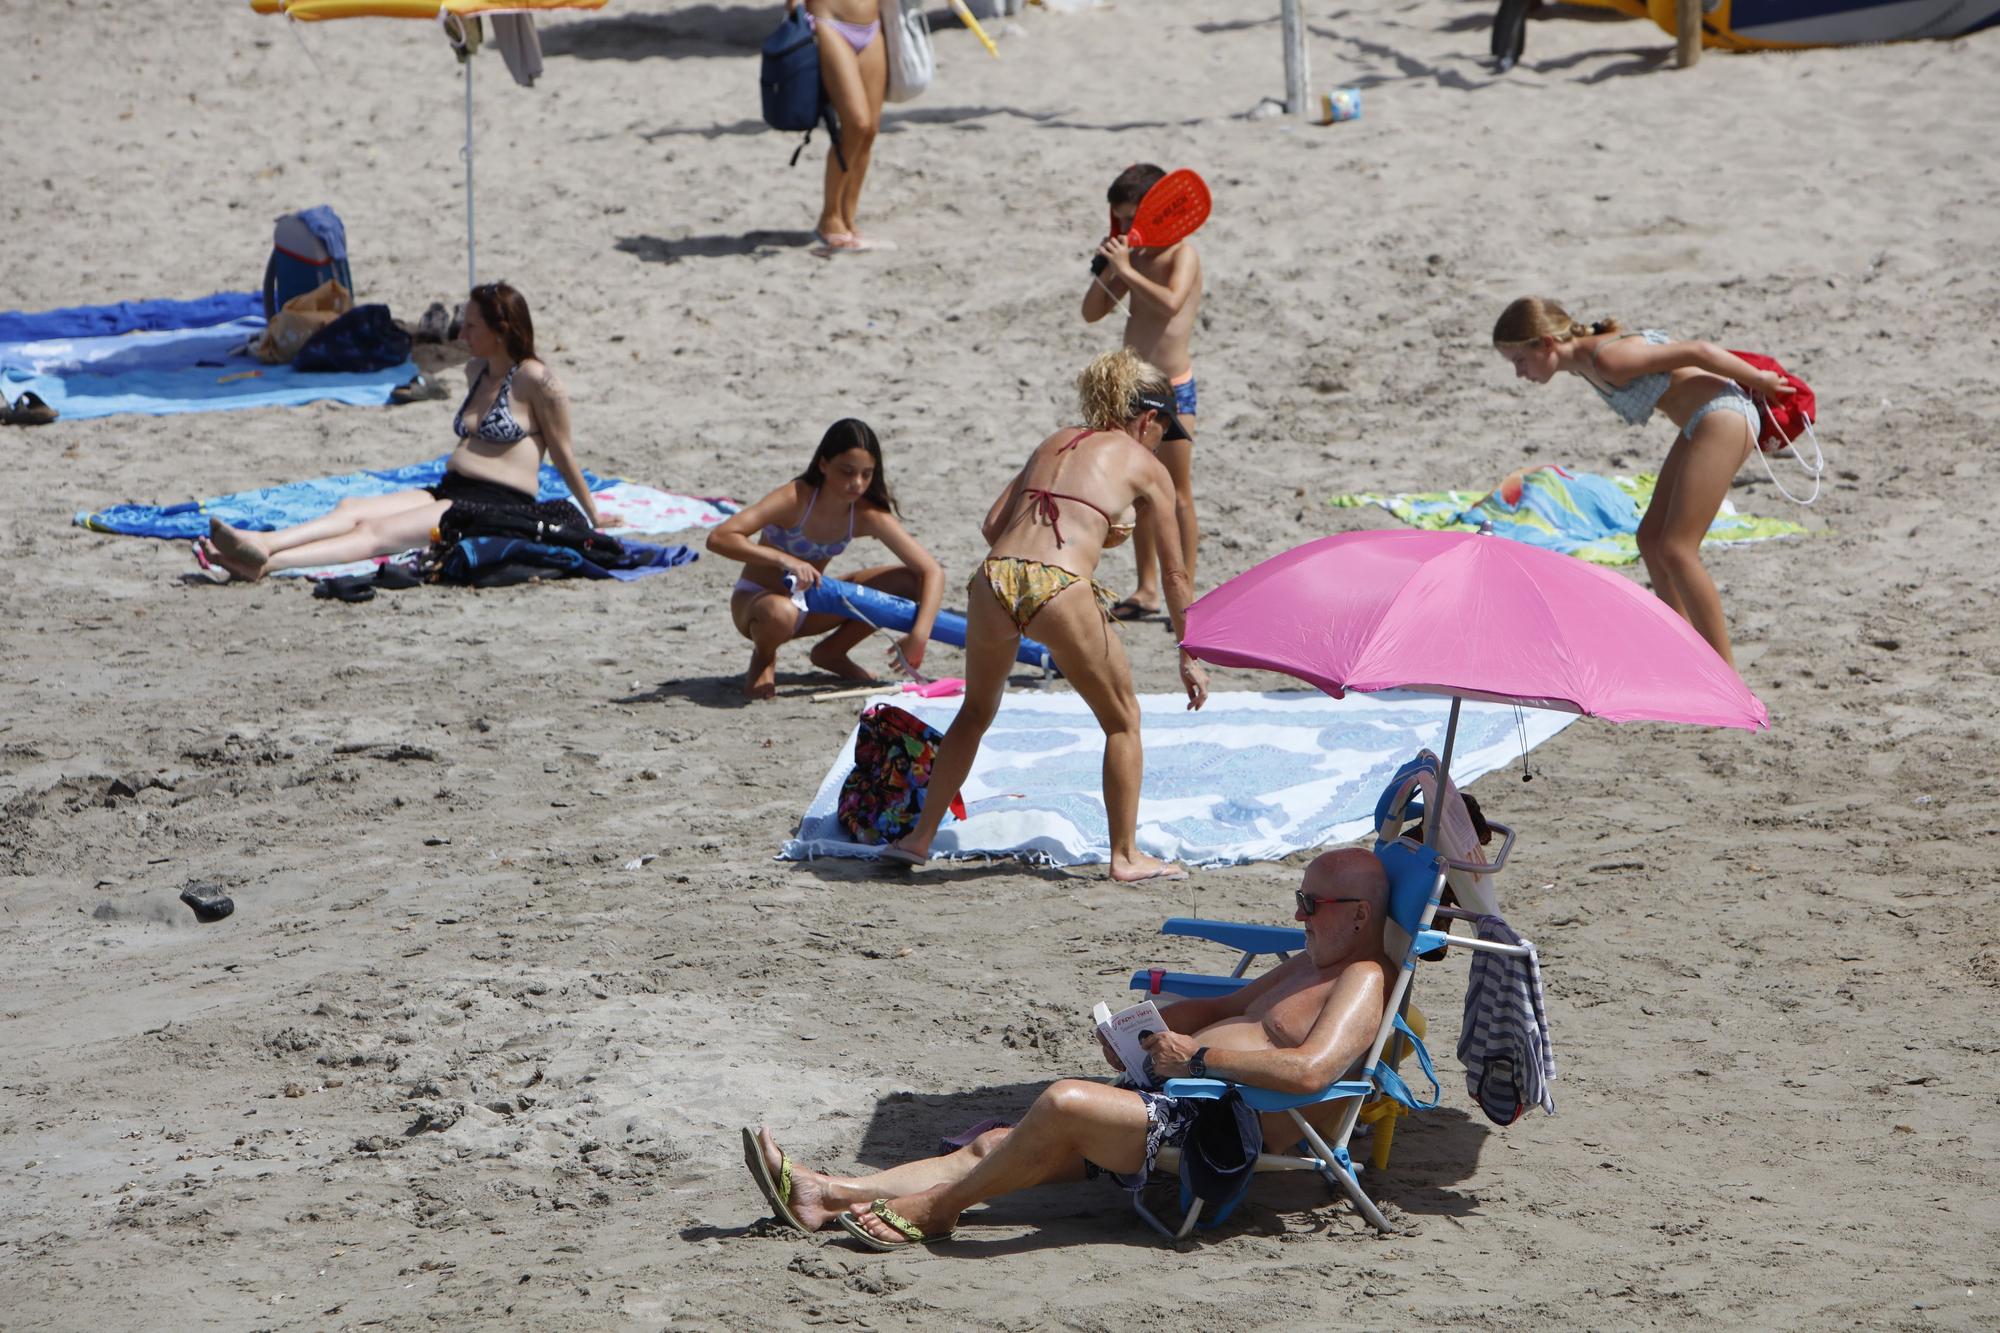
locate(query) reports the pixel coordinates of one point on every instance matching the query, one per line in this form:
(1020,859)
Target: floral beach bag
(882,797)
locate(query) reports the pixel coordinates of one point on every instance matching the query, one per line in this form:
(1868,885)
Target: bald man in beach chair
(1297,1028)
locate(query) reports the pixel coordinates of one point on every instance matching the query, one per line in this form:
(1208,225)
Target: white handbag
(909,37)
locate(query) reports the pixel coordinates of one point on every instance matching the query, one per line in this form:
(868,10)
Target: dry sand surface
(453,1063)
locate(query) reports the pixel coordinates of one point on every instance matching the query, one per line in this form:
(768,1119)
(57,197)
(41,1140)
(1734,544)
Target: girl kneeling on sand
(842,494)
(1046,543)
(515,413)
(1704,390)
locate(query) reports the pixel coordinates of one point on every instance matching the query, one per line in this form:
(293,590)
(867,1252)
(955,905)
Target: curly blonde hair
(1532,317)
(1109,388)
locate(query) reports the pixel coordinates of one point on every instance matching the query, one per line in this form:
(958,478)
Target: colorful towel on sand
(626,508)
(176,370)
(1251,777)
(1577,513)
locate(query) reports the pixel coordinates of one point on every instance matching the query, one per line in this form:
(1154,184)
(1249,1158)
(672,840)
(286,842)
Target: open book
(1122,1031)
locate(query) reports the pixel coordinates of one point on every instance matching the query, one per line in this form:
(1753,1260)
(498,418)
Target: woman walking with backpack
(854,66)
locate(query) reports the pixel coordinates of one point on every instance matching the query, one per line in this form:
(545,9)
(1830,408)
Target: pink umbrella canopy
(1474,617)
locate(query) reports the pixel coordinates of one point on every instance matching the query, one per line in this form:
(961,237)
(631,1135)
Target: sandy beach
(512,959)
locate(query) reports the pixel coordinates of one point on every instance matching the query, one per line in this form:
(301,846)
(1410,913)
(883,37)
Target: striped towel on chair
(1504,1039)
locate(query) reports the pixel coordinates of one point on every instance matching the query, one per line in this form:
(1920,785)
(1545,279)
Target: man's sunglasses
(1308,904)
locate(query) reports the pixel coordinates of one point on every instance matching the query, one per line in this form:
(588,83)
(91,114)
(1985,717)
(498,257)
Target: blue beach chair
(1374,1092)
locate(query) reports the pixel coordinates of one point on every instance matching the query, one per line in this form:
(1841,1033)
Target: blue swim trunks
(1184,396)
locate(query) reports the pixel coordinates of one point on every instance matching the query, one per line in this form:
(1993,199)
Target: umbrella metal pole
(471,260)
(1434,810)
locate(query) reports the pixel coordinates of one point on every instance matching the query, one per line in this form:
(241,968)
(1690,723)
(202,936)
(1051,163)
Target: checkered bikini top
(1636,401)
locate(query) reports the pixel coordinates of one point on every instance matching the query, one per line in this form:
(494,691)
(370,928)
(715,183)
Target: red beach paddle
(1172,211)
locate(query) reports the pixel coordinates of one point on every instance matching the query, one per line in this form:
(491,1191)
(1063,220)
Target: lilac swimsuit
(858,35)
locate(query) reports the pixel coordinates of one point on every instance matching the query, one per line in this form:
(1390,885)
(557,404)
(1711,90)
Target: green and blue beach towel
(1577,513)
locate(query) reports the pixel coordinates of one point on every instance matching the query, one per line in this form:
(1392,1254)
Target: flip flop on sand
(894,853)
(777,1193)
(422,389)
(209,570)
(1131,610)
(27,410)
(833,243)
(871,243)
(852,1226)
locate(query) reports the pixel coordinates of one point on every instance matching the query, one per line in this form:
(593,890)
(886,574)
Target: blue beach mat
(1251,777)
(168,371)
(277,507)
(106,321)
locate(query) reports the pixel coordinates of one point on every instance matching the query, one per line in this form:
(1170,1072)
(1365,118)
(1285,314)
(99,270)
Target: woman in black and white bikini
(516,413)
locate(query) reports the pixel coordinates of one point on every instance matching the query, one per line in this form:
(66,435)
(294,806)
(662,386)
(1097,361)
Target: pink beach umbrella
(1470,617)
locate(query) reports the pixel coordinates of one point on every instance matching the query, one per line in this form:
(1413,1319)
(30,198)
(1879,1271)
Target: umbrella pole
(1434,810)
(471,260)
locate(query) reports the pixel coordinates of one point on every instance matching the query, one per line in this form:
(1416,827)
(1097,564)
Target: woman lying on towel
(1046,543)
(843,494)
(516,413)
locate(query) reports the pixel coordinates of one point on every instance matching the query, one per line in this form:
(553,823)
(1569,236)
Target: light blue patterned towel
(1251,777)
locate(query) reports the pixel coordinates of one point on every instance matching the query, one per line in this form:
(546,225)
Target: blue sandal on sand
(852,1226)
(777,1193)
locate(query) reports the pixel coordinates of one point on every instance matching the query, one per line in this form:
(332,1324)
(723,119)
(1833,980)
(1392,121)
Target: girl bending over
(1048,530)
(1705,391)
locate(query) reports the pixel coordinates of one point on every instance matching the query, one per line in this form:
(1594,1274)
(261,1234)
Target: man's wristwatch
(1198,1064)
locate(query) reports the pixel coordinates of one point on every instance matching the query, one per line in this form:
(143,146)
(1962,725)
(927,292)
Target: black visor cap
(1175,430)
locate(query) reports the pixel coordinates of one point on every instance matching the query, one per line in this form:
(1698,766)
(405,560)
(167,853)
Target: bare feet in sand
(235,551)
(1139,867)
(840,664)
(904,850)
(762,680)
(808,1198)
(919,1210)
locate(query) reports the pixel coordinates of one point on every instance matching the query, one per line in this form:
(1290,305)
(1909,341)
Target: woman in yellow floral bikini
(1045,541)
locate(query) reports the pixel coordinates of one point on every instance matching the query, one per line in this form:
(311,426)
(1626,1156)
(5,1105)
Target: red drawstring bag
(1784,419)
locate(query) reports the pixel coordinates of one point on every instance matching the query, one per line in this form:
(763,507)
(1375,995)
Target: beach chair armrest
(1264,1099)
(1187,985)
(1251,939)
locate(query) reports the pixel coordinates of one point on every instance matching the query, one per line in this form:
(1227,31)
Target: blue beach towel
(277,507)
(106,321)
(177,370)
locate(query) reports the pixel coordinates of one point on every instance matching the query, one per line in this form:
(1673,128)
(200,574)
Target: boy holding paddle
(1164,284)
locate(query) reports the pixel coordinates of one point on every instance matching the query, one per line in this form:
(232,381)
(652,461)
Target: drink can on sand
(1340,104)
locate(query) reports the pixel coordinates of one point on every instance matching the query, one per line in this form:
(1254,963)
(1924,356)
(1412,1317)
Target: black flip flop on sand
(27,410)
(1131,610)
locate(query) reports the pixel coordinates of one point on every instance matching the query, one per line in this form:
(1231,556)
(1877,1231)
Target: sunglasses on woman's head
(1309,904)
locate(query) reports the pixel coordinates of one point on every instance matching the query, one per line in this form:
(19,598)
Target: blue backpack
(307,249)
(794,97)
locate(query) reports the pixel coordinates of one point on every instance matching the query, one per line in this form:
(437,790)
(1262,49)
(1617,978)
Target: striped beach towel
(1504,1039)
